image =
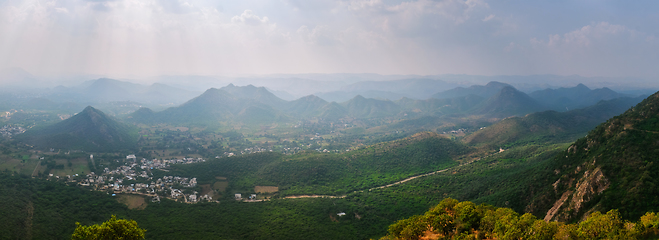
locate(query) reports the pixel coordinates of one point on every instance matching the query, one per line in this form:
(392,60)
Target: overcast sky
(190,37)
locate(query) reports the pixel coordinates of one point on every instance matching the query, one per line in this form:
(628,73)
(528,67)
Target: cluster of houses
(459,131)
(144,183)
(246,151)
(9,131)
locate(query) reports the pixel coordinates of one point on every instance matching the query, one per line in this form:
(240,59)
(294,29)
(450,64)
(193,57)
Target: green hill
(89,130)
(613,167)
(330,173)
(549,126)
(451,219)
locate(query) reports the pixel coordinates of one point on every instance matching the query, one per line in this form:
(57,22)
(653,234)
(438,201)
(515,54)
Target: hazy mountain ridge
(489,90)
(580,96)
(89,130)
(508,102)
(550,125)
(232,103)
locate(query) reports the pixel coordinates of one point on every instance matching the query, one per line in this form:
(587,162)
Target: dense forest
(452,219)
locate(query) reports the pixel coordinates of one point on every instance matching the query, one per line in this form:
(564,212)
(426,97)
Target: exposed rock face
(571,203)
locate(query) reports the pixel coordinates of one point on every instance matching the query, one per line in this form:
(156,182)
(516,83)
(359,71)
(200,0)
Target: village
(9,131)
(136,178)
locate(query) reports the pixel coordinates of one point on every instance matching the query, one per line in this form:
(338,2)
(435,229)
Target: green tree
(110,230)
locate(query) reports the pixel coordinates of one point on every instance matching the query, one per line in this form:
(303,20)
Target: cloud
(319,35)
(597,49)
(249,18)
(586,36)
(62,10)
(147,37)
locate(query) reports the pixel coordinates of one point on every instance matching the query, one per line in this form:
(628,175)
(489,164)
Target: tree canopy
(113,229)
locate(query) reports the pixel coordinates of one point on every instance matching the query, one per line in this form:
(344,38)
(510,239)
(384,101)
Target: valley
(238,162)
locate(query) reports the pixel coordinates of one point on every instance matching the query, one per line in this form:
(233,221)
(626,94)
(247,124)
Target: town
(136,178)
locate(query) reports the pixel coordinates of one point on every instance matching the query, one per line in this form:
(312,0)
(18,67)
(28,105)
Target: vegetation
(109,230)
(328,173)
(90,130)
(452,219)
(351,153)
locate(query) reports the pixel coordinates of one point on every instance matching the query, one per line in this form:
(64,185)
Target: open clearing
(266,189)
(220,186)
(78,166)
(132,201)
(18,165)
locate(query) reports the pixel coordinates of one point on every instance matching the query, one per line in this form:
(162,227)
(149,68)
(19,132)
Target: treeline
(41,209)
(451,219)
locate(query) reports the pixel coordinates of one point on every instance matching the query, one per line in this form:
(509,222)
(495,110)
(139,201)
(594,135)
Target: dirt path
(380,187)
(385,186)
(313,196)
(36,169)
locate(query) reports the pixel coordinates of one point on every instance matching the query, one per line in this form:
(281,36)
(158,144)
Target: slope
(361,107)
(89,130)
(489,90)
(580,96)
(507,102)
(614,166)
(549,126)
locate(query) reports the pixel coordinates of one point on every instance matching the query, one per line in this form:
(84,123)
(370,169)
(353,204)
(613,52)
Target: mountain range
(258,105)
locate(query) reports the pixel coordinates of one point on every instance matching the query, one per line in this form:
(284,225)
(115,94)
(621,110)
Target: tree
(110,230)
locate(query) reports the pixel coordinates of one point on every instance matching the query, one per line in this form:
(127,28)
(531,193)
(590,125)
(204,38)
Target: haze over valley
(415,119)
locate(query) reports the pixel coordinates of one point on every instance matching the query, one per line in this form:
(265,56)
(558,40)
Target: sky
(121,38)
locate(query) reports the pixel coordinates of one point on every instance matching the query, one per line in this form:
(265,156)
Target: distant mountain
(305,106)
(104,90)
(253,105)
(342,96)
(508,102)
(613,167)
(490,89)
(258,94)
(89,130)
(17,78)
(436,106)
(417,88)
(563,99)
(361,107)
(333,111)
(549,126)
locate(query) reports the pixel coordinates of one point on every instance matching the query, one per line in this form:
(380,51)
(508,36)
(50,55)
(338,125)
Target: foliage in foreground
(109,230)
(451,219)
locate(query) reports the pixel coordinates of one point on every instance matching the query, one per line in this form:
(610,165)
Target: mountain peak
(89,130)
(581,86)
(495,84)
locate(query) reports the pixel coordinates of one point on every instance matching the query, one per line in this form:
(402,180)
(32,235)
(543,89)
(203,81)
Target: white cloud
(584,36)
(147,37)
(62,10)
(249,18)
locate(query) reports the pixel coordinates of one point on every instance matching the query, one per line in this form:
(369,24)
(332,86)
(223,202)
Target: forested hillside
(613,167)
(451,219)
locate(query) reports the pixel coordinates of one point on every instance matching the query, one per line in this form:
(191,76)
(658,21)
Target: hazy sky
(158,37)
